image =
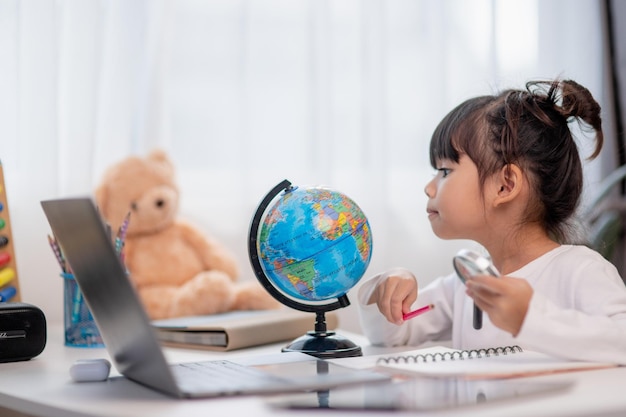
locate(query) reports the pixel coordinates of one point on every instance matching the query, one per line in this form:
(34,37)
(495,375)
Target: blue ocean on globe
(314,243)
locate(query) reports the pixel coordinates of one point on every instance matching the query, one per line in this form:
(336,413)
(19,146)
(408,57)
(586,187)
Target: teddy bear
(176,269)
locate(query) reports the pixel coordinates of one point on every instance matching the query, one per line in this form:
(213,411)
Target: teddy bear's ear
(160,157)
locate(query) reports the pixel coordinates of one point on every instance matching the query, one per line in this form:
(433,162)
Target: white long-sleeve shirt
(577,311)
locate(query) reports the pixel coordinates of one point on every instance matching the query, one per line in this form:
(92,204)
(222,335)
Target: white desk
(42,387)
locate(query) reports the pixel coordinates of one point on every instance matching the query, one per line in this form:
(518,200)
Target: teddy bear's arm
(213,255)
(158,300)
(209,292)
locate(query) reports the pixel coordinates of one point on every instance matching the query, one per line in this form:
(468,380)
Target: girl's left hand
(504,299)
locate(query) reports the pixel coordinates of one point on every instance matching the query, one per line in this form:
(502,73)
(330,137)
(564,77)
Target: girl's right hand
(395,294)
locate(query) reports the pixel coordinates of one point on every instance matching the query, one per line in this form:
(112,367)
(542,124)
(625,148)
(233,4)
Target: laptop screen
(114,304)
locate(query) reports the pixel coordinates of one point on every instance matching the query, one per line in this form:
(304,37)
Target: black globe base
(324,345)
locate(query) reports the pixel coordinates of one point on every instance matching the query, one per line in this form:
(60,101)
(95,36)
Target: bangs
(458,132)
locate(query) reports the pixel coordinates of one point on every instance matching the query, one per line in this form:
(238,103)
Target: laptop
(131,340)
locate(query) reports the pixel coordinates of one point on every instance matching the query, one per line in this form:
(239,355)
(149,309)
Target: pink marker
(417,312)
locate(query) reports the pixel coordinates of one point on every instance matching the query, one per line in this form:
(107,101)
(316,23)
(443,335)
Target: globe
(309,246)
(315,243)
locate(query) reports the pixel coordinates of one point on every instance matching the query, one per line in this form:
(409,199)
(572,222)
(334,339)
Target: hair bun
(577,101)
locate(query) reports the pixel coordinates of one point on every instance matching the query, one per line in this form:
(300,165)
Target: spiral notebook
(490,363)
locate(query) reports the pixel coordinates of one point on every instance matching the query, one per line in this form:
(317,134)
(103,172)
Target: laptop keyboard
(221,376)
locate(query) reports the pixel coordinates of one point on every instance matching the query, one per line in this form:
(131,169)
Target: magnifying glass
(467,264)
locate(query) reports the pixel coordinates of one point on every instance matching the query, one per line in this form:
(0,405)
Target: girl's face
(456,208)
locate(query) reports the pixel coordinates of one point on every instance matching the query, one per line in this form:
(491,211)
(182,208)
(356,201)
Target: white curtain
(243,94)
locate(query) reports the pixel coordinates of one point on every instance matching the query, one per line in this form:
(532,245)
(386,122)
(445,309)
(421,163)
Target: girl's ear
(509,182)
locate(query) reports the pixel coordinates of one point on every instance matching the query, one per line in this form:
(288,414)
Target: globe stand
(320,343)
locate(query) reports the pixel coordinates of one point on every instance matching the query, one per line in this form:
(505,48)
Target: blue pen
(77,299)
(77,305)
(7,293)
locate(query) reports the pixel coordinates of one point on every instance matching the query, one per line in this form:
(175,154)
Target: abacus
(9,286)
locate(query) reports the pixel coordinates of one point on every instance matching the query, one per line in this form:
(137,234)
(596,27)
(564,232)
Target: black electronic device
(22,331)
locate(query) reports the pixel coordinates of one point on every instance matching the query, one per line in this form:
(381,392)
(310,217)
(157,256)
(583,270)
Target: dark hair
(528,128)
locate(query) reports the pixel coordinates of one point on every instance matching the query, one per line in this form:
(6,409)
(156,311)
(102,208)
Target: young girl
(509,177)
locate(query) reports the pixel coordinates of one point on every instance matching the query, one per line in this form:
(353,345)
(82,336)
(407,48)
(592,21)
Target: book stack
(238,329)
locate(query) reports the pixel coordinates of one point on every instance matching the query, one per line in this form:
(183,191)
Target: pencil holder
(80,328)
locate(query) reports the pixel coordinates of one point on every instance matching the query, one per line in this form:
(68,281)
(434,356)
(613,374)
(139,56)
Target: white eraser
(90,370)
